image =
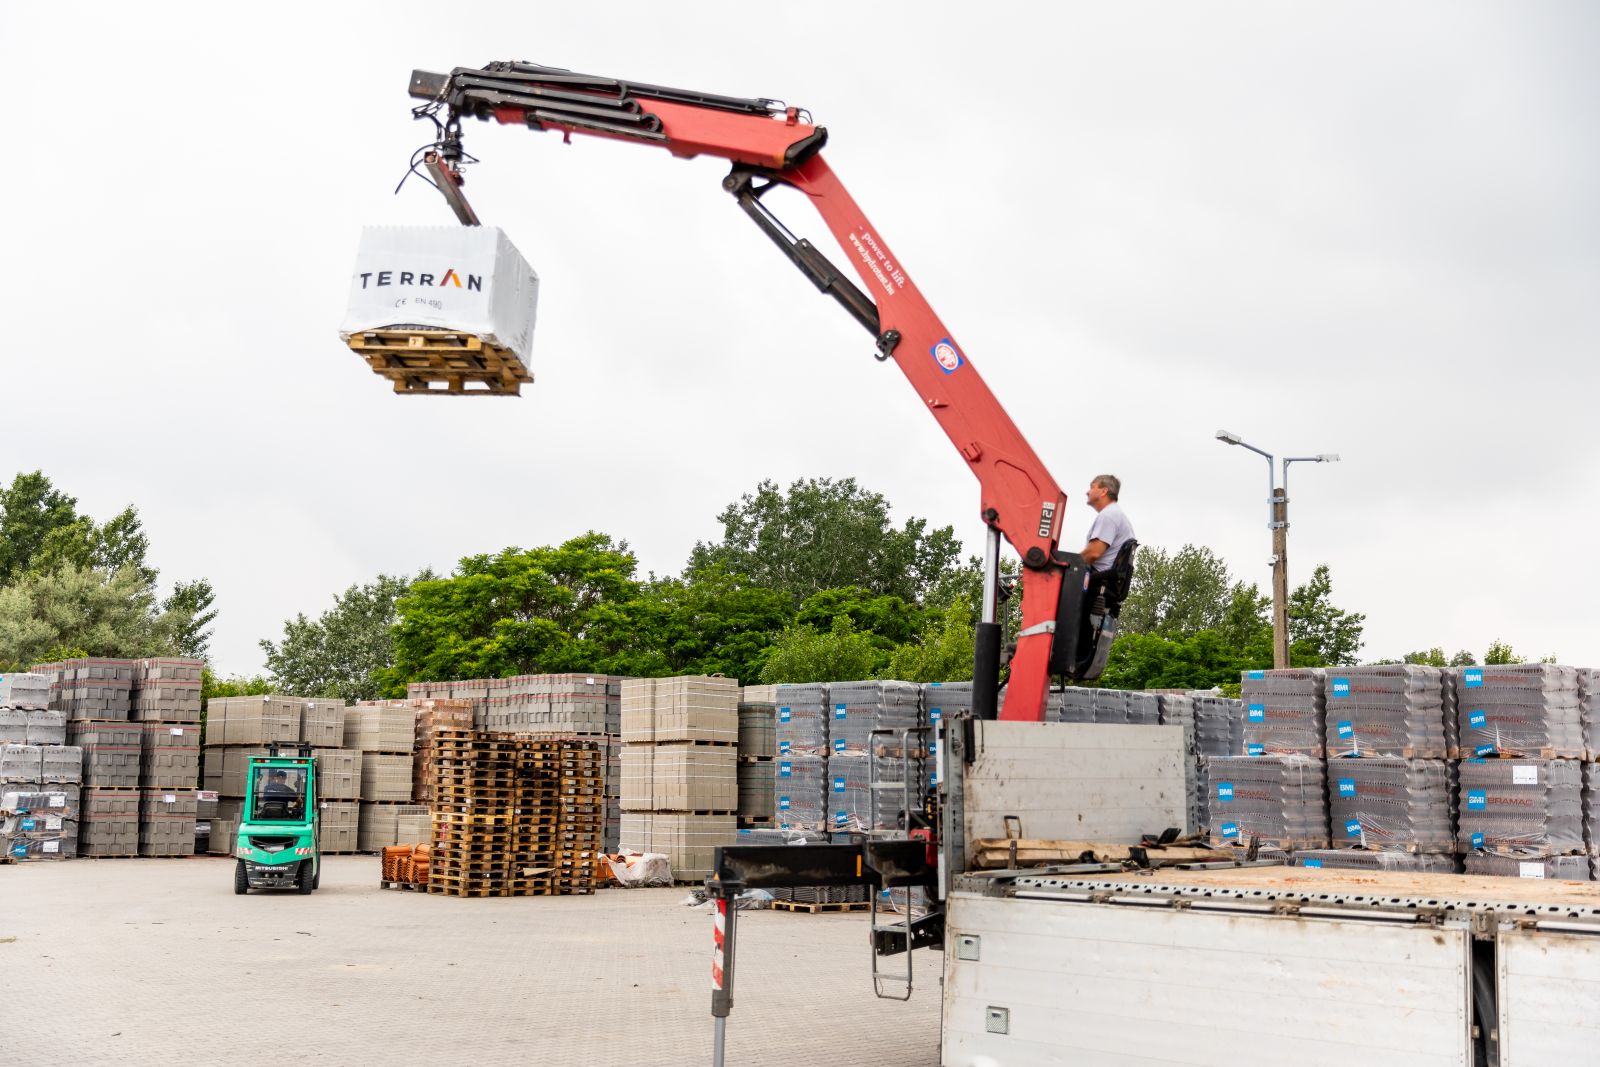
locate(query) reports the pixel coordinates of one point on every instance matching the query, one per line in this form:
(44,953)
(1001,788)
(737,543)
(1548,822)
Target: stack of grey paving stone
(384,732)
(1357,860)
(1279,800)
(1395,709)
(1531,808)
(861,755)
(941,701)
(801,732)
(1519,710)
(1177,709)
(1071,703)
(566,704)
(1285,712)
(1218,725)
(112,752)
(40,775)
(166,690)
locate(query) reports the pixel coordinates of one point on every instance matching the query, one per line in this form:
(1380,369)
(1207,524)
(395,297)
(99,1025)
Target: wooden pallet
(412,886)
(441,363)
(814,908)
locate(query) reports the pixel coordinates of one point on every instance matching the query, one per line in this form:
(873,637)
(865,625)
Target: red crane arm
(769,143)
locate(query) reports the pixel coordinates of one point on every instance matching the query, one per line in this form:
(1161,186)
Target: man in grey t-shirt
(1111,528)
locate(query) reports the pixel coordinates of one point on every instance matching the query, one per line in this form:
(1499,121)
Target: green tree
(1462,658)
(345,651)
(30,509)
(1433,657)
(806,654)
(574,607)
(101,613)
(888,618)
(1330,635)
(943,653)
(1177,594)
(716,624)
(825,534)
(1501,654)
(192,606)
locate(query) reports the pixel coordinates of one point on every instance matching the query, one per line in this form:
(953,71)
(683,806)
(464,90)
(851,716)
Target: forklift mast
(771,145)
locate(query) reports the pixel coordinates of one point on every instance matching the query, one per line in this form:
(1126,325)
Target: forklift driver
(278,797)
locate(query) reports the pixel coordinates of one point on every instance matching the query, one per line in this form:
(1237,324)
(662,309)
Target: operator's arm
(1093,550)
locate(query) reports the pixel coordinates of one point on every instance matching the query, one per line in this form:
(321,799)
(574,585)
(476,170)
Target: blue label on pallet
(934,714)
(1224,790)
(840,711)
(20,848)
(838,785)
(1313,863)
(838,746)
(1483,750)
(841,818)
(1477,799)
(1347,787)
(933,748)
(785,714)
(1346,730)
(1340,687)
(1230,829)
(28,824)
(1352,827)
(1472,678)
(1477,720)
(1477,840)
(1257,713)
(783,803)
(785,769)
(1255,676)
(1254,750)
(783,747)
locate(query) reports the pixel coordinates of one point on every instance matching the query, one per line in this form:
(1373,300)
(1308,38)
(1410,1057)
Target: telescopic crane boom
(771,145)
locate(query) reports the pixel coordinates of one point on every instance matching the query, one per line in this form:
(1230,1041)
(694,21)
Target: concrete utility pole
(1278,523)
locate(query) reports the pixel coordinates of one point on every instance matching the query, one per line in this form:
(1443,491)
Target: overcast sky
(1368,229)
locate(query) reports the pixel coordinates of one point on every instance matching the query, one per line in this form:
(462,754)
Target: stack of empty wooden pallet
(514,817)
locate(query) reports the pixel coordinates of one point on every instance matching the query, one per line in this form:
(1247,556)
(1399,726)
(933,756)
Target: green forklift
(277,844)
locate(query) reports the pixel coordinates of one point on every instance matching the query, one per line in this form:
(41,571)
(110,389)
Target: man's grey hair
(1110,483)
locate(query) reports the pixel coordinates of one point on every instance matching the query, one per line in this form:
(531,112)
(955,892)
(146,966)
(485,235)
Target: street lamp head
(1328,457)
(1229,438)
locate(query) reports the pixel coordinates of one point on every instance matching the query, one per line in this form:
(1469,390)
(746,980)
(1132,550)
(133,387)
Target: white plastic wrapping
(469,279)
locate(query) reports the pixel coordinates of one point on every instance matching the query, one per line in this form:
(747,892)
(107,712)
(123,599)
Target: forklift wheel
(241,881)
(305,883)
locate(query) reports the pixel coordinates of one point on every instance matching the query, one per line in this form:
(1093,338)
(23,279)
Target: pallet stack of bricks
(39,774)
(758,752)
(384,732)
(238,728)
(680,783)
(513,816)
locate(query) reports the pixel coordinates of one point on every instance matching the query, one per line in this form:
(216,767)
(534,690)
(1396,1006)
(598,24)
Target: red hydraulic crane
(771,145)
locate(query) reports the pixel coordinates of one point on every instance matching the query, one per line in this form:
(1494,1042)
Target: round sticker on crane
(947,356)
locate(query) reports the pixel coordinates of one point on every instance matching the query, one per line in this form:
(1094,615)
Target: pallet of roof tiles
(1525,709)
(1588,711)
(169,756)
(1278,800)
(166,822)
(848,804)
(1218,725)
(166,690)
(1520,807)
(758,736)
(60,764)
(941,700)
(1391,805)
(111,752)
(21,763)
(860,709)
(24,690)
(801,788)
(380,727)
(339,773)
(108,822)
(1394,710)
(1353,859)
(1071,703)
(1568,868)
(21,844)
(757,792)
(801,724)
(1284,712)
(897,787)
(1143,709)
(13,726)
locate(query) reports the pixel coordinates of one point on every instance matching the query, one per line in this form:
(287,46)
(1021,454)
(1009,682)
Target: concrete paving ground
(134,962)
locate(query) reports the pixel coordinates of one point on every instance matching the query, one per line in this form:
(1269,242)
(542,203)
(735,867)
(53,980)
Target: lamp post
(1278,523)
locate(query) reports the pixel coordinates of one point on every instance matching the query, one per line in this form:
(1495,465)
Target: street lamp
(1278,523)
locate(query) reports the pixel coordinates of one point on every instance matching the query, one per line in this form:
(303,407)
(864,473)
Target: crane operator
(1109,532)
